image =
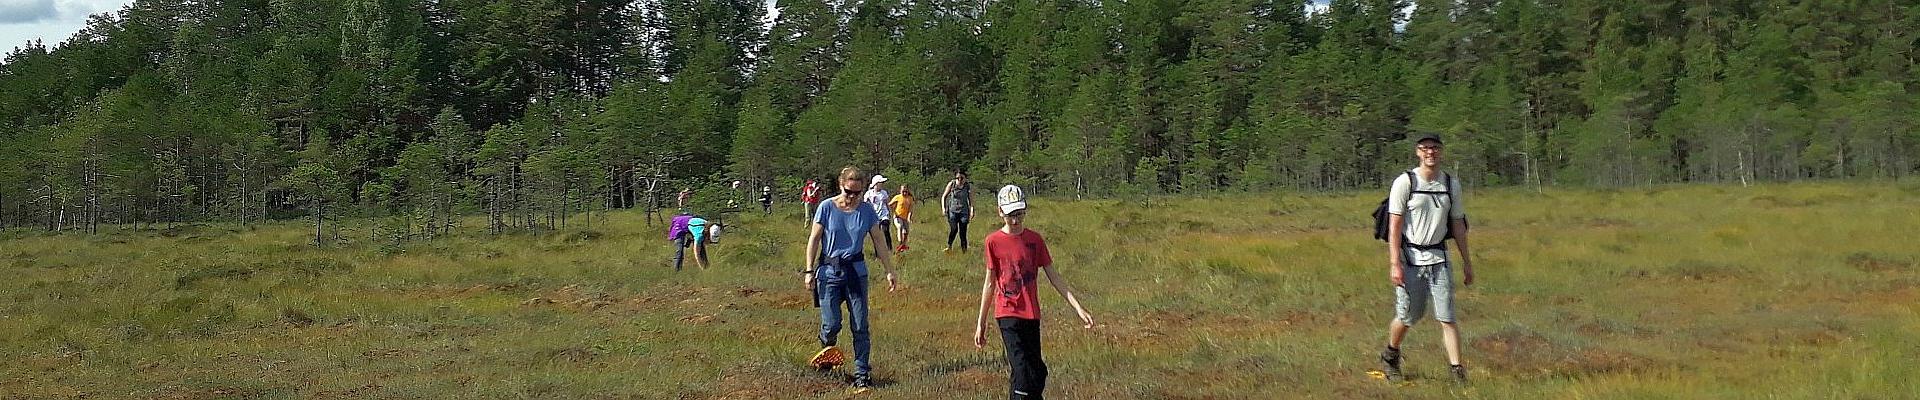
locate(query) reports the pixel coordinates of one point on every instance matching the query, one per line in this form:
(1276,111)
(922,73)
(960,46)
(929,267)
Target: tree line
(535,111)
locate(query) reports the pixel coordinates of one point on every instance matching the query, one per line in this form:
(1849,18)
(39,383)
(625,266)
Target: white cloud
(51,21)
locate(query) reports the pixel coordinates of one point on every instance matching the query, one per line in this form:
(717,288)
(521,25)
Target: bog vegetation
(1695,291)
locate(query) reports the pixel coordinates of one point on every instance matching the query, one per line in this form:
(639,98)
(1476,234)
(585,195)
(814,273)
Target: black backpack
(1380,213)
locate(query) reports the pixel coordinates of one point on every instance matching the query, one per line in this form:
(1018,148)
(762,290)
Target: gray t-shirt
(1427,215)
(961,201)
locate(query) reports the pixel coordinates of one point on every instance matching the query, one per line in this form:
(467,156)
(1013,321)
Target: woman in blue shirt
(837,272)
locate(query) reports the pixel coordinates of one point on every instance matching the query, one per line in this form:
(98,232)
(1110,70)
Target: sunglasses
(1428,148)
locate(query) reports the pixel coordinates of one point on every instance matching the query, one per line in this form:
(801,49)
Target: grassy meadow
(1777,291)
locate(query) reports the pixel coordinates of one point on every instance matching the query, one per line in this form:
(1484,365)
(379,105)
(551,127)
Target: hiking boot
(1391,357)
(1459,374)
(827,358)
(863,382)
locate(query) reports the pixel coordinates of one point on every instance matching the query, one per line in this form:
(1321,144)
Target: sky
(51,21)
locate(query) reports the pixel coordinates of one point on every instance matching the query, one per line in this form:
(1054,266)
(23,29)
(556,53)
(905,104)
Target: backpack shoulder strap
(1413,184)
(1447,181)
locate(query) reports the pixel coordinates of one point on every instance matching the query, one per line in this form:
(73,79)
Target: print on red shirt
(1014,262)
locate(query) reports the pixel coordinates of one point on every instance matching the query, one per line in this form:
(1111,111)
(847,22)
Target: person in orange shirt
(902,214)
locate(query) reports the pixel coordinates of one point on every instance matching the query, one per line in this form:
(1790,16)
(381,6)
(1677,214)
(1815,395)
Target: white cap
(878,179)
(1012,199)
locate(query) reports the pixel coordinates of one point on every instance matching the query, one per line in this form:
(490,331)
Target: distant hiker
(810,195)
(902,205)
(957,201)
(877,197)
(1425,209)
(733,201)
(839,276)
(1015,258)
(766,199)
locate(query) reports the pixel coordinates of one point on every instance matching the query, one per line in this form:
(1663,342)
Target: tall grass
(1793,291)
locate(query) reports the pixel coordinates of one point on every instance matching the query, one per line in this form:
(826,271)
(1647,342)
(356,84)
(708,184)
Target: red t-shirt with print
(1014,262)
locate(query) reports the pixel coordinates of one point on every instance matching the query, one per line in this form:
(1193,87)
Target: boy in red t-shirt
(1015,258)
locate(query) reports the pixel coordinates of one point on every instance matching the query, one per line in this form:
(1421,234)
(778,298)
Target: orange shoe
(827,358)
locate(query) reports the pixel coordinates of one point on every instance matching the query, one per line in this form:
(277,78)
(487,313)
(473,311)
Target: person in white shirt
(1425,210)
(877,196)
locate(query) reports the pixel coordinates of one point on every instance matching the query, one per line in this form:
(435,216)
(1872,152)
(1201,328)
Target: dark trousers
(680,249)
(886,229)
(1028,373)
(957,229)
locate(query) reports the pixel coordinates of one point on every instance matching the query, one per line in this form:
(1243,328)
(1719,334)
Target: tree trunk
(319,236)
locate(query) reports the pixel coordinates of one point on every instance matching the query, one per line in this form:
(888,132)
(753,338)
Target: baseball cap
(1012,199)
(1427,136)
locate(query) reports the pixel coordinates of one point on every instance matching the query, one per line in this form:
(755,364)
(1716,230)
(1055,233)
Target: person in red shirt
(810,194)
(1016,256)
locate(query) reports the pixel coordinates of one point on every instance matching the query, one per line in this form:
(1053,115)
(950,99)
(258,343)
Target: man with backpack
(1422,212)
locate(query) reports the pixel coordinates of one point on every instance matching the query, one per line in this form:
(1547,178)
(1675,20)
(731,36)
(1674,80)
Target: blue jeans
(839,285)
(680,250)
